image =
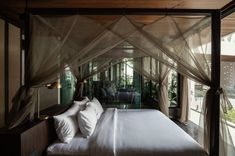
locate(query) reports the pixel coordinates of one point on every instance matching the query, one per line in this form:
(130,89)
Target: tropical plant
(172,90)
(230,116)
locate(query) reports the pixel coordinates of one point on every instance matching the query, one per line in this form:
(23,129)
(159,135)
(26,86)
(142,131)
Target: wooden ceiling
(228,24)
(186,4)
(18,6)
(14,8)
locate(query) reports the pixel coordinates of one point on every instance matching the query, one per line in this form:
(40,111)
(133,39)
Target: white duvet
(141,133)
(133,133)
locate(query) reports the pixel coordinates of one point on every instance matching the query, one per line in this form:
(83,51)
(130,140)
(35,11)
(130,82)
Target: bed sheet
(131,132)
(79,146)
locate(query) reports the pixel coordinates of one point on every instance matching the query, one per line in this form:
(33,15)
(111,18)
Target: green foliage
(199,91)
(129,80)
(172,91)
(230,116)
(147,92)
(122,81)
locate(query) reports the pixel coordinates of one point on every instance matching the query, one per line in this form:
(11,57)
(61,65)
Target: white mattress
(79,146)
(132,133)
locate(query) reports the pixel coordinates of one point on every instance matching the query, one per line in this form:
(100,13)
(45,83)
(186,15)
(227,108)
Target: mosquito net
(174,42)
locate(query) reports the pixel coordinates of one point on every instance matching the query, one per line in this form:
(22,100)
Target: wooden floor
(190,128)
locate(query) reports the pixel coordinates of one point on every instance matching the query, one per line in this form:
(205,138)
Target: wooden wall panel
(48,97)
(14,61)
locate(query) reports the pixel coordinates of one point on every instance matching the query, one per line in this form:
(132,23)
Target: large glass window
(197,93)
(227,78)
(228,83)
(93,66)
(129,73)
(120,83)
(149,86)
(117,85)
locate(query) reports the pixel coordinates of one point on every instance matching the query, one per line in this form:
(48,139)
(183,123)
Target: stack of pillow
(83,116)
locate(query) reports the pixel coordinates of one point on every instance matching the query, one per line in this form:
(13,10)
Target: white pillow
(97,107)
(66,124)
(66,127)
(82,104)
(87,121)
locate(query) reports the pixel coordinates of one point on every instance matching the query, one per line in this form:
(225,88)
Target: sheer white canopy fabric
(226,141)
(184,100)
(57,42)
(227,138)
(155,71)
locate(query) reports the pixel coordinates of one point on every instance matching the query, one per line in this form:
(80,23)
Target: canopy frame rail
(215,73)
(228,9)
(120,11)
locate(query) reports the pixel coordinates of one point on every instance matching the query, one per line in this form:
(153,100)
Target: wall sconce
(54,85)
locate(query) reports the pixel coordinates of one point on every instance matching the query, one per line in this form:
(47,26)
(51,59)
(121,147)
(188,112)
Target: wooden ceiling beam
(11,18)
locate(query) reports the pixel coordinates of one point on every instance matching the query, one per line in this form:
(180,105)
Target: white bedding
(135,133)
(78,146)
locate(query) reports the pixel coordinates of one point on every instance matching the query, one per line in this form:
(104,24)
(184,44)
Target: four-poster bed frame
(215,39)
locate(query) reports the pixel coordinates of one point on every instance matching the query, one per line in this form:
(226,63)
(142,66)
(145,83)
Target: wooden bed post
(215,78)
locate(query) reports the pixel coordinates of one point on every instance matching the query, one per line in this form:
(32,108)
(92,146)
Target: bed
(135,132)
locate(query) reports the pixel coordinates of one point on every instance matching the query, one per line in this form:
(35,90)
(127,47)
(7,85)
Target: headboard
(50,112)
(31,139)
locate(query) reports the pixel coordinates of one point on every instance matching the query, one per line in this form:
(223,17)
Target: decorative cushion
(66,124)
(87,121)
(97,107)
